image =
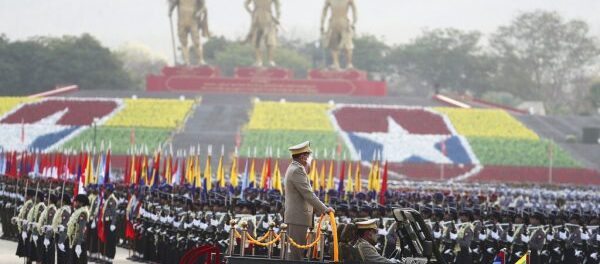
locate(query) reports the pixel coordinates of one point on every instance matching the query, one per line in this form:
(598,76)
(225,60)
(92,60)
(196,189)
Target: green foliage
(42,63)
(491,151)
(282,140)
(504,98)
(139,61)
(369,53)
(595,94)
(214,46)
(291,59)
(119,138)
(540,53)
(450,58)
(234,55)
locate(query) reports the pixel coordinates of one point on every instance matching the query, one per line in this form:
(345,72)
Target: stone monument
(191,18)
(263,30)
(340,30)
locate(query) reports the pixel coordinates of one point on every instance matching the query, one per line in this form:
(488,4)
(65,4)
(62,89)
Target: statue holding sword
(263,31)
(192,17)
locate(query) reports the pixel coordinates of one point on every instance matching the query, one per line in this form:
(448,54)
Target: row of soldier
(50,226)
(163,223)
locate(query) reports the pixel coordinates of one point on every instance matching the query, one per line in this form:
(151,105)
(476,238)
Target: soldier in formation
(469,224)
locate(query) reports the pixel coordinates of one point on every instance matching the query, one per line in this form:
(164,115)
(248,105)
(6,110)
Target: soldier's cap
(53,198)
(367,224)
(92,186)
(109,187)
(361,196)
(31,192)
(66,199)
(303,147)
(82,199)
(166,188)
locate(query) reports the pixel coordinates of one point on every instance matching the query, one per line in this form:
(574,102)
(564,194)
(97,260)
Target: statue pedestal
(271,73)
(264,80)
(353,75)
(195,71)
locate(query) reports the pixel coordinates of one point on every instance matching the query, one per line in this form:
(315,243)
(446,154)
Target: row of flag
(189,168)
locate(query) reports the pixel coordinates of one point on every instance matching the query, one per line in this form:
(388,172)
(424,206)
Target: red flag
(268,181)
(383,184)
(127,175)
(13,165)
(100,225)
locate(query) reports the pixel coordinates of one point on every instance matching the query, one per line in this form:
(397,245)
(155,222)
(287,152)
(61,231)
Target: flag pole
(550,165)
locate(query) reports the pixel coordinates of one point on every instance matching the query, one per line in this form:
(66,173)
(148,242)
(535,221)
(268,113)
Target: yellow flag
(168,170)
(133,174)
(524,259)
(233,173)
(221,173)
(377,177)
(314,175)
(358,182)
(277,178)
(144,175)
(197,171)
(349,183)
(330,177)
(263,175)
(89,171)
(208,174)
(252,175)
(322,176)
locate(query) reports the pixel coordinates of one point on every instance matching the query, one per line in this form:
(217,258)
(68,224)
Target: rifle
(62,192)
(16,192)
(49,190)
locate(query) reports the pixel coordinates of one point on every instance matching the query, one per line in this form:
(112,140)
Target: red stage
(264,80)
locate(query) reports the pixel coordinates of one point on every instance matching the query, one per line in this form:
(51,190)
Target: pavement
(8,249)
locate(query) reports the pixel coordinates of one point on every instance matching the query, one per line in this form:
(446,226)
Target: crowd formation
(469,224)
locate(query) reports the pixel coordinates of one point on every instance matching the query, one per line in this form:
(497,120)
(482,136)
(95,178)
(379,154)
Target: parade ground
(7,254)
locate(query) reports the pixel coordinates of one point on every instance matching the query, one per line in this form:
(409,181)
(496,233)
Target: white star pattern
(10,137)
(399,145)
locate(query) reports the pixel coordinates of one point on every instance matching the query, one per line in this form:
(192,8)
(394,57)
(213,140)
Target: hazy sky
(116,22)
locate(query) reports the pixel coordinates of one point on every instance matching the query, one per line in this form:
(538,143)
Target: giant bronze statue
(192,17)
(340,30)
(264,28)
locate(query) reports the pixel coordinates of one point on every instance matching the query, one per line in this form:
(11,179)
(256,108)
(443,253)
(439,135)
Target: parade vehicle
(415,243)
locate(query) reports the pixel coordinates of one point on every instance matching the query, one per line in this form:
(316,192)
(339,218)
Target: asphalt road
(8,249)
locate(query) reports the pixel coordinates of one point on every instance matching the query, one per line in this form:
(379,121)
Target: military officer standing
(92,240)
(44,228)
(76,229)
(59,225)
(109,215)
(21,222)
(300,200)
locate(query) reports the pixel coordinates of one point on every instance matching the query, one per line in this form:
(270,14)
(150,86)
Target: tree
(240,55)
(595,94)
(448,58)
(41,63)
(542,56)
(139,61)
(369,54)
